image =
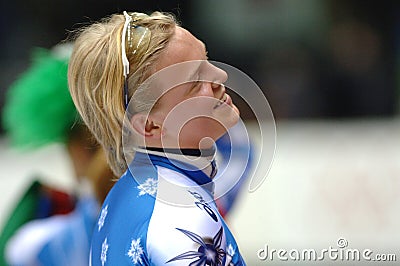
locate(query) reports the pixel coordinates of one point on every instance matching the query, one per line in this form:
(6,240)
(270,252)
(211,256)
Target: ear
(145,126)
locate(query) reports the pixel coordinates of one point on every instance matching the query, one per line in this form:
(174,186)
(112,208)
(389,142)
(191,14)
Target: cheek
(181,112)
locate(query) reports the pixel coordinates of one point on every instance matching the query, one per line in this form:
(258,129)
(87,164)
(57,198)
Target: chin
(228,118)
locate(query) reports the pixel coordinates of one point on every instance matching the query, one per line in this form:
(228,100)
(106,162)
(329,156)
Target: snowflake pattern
(102,218)
(230,251)
(136,251)
(104,249)
(148,187)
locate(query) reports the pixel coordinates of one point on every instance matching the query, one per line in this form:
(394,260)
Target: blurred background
(313,59)
(330,71)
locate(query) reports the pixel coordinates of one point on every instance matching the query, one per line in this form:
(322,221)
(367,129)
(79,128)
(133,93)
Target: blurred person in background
(50,226)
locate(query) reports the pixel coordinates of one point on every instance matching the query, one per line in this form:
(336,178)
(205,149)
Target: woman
(161,210)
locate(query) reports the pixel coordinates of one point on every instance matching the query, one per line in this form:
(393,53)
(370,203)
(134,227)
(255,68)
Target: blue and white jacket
(162,212)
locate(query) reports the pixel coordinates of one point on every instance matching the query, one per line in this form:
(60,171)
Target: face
(196,113)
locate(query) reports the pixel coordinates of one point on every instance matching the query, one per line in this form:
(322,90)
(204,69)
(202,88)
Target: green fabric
(24,211)
(38,108)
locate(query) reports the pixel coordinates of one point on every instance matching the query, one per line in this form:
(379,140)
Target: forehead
(182,47)
(183,36)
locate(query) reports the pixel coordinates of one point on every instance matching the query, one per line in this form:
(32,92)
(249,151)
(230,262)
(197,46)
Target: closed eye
(196,84)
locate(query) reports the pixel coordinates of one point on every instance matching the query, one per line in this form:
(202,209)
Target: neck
(202,159)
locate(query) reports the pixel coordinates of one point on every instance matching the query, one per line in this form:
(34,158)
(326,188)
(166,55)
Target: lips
(224,99)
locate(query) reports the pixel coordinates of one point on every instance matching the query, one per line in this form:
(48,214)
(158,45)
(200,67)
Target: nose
(217,77)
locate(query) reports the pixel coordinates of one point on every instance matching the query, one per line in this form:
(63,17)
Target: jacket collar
(198,165)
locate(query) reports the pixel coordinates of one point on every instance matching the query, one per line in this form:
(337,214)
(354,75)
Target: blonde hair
(96,81)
